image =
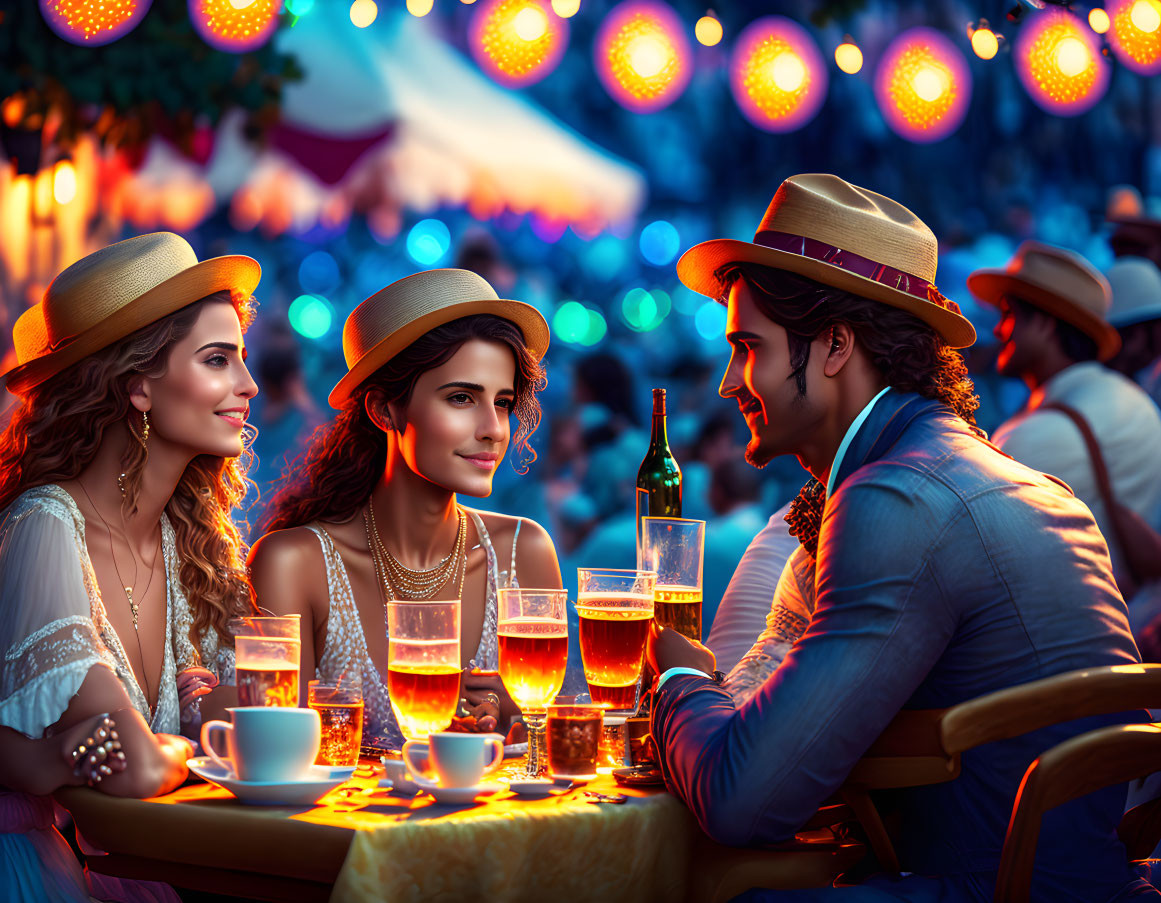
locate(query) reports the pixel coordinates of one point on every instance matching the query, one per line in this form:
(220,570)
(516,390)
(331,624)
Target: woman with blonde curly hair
(120,565)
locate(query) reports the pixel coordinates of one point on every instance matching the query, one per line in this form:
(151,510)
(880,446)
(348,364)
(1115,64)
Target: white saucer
(462,794)
(320,780)
(536,788)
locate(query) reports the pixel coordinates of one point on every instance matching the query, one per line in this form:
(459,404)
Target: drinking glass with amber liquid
(674,547)
(423,664)
(339,704)
(266,652)
(533,632)
(615,608)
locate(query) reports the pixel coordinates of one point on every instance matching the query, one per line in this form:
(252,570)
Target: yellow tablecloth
(509,850)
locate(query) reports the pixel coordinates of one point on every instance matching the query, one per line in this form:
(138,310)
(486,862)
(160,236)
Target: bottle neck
(658,437)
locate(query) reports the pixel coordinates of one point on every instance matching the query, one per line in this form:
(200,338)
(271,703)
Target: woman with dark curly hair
(120,565)
(438,365)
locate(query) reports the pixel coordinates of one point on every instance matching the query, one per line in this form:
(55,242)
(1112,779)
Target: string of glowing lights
(235,26)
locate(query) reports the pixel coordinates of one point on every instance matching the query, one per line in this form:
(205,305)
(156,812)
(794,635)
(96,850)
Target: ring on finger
(493,698)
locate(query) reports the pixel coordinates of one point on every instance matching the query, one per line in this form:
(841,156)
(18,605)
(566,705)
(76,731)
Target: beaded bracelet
(100,755)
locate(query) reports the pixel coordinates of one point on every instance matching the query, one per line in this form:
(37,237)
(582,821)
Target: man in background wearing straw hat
(1053,334)
(927,545)
(1136,314)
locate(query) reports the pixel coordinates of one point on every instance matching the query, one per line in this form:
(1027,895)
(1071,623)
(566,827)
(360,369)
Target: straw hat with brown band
(393,318)
(828,230)
(1058,282)
(113,292)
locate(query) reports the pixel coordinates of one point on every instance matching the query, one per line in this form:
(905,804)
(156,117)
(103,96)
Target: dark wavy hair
(338,470)
(59,425)
(907,352)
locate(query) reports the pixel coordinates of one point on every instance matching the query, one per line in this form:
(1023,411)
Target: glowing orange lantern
(777,74)
(642,55)
(518,42)
(923,86)
(92,23)
(1060,64)
(1136,34)
(235,26)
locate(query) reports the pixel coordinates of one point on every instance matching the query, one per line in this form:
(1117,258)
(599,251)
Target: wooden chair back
(1072,769)
(922,747)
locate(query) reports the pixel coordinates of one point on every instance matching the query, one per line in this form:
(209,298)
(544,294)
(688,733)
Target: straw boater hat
(1058,282)
(1136,285)
(826,229)
(390,320)
(111,294)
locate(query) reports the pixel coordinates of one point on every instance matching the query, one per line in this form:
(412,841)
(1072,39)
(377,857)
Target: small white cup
(459,760)
(265,743)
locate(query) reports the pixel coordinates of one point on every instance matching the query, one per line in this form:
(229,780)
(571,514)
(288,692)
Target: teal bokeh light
(710,321)
(644,310)
(428,241)
(311,316)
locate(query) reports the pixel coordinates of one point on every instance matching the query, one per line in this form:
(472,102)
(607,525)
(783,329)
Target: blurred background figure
(1136,314)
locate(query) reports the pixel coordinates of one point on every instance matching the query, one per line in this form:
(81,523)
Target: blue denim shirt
(945,570)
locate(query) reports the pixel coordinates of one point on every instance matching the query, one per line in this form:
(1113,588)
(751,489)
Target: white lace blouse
(345,650)
(53,626)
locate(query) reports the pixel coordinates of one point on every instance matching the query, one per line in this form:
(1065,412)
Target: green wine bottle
(659,478)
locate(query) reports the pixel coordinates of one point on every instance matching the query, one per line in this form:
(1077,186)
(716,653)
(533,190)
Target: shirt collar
(850,435)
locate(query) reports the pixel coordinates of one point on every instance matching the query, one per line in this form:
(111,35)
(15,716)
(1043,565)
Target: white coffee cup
(266,743)
(459,760)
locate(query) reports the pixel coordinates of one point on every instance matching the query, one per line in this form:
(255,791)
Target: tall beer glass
(615,608)
(423,664)
(533,634)
(266,660)
(674,547)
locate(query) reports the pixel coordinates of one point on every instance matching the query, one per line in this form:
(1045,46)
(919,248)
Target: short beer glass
(533,637)
(674,547)
(266,654)
(423,664)
(574,740)
(339,704)
(615,608)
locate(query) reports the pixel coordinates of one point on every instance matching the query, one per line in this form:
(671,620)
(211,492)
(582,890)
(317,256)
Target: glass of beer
(533,633)
(339,704)
(574,739)
(423,664)
(675,548)
(266,654)
(615,608)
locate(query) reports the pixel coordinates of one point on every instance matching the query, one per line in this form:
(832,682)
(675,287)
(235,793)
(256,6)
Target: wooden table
(362,844)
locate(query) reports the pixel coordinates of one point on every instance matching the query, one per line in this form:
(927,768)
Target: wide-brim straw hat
(113,292)
(391,319)
(828,230)
(1059,282)
(1136,286)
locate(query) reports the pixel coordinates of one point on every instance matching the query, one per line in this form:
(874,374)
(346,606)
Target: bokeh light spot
(1098,20)
(92,24)
(848,57)
(922,85)
(223,25)
(660,243)
(777,75)
(363,13)
(428,241)
(1060,64)
(708,31)
(985,44)
(311,316)
(319,273)
(1135,34)
(517,42)
(642,55)
(710,321)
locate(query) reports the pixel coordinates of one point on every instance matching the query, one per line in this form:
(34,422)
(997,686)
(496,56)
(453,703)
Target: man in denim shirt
(943,569)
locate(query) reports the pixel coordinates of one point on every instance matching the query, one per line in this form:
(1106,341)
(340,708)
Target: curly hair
(908,353)
(338,470)
(59,425)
